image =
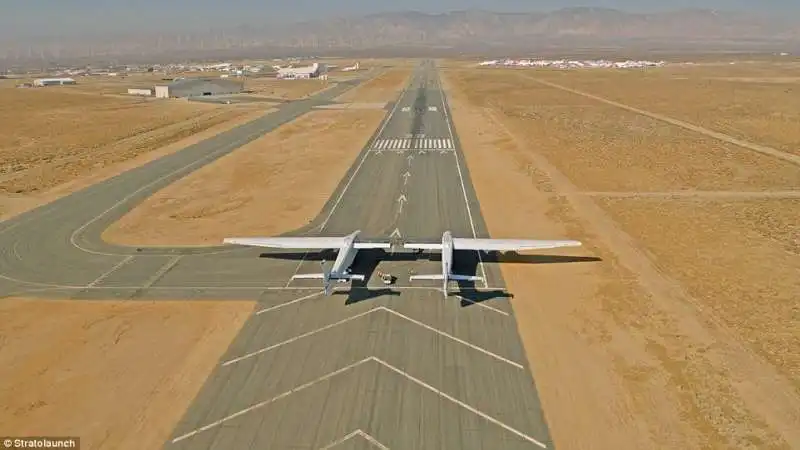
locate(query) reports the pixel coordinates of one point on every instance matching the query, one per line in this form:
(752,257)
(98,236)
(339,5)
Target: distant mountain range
(475,26)
(472,30)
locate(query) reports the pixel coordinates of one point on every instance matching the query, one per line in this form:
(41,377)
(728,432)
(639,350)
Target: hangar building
(292,73)
(194,87)
(53,81)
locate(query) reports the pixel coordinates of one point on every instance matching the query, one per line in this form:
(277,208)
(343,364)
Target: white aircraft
(449,243)
(348,248)
(351,68)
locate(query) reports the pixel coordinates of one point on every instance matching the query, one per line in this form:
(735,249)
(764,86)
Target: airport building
(196,87)
(53,81)
(295,73)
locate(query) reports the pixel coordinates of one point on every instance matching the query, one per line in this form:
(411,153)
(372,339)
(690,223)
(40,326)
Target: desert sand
(382,88)
(756,103)
(639,350)
(117,374)
(42,168)
(270,186)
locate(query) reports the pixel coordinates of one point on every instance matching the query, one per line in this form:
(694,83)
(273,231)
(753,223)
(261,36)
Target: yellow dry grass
(270,186)
(285,89)
(740,259)
(50,136)
(116,374)
(621,357)
(604,148)
(382,88)
(759,102)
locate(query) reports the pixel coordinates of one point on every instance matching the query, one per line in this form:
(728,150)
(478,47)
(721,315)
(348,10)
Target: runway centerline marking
(363,314)
(330,375)
(363,158)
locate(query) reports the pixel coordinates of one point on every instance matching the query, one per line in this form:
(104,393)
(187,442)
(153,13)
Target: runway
(369,367)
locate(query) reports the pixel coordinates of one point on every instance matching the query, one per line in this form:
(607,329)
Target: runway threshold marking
(366,313)
(354,365)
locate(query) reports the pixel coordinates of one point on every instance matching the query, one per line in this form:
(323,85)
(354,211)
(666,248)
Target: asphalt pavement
(397,367)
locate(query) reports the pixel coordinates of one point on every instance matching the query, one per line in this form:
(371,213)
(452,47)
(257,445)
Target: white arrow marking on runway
(402,199)
(405,177)
(422,151)
(409,158)
(396,233)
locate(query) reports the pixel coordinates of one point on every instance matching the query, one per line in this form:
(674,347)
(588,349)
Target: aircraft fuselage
(345,257)
(447,259)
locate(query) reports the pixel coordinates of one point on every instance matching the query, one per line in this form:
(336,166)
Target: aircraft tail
(426,277)
(327,278)
(445,279)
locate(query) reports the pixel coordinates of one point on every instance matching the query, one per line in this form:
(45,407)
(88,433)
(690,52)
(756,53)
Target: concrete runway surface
(370,367)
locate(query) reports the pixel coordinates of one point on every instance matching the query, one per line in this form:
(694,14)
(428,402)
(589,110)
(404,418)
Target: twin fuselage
(345,257)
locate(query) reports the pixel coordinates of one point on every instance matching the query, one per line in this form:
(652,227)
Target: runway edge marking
(460,175)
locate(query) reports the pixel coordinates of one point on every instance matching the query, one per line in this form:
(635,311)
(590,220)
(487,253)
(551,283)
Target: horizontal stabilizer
(437,246)
(509,244)
(367,245)
(320,276)
(465,278)
(425,277)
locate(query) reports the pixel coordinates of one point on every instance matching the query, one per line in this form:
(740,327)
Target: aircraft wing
(288,242)
(310,243)
(509,244)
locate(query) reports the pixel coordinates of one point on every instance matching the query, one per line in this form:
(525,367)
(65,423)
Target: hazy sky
(20,18)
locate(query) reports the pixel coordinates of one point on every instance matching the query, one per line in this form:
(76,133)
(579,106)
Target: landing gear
(386,278)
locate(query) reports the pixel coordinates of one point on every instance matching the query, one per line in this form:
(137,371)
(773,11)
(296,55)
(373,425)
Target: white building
(53,81)
(145,92)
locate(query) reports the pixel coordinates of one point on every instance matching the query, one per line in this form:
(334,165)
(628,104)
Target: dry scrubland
(68,365)
(604,148)
(51,137)
(760,103)
(382,88)
(269,186)
(682,336)
(284,89)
